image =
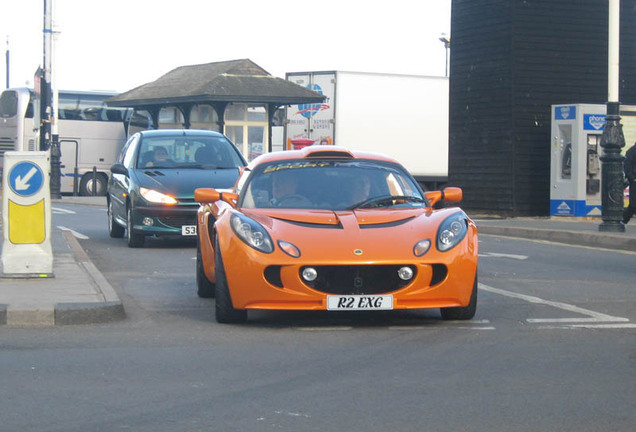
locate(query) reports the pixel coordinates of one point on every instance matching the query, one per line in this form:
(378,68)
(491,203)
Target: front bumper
(163,220)
(274,281)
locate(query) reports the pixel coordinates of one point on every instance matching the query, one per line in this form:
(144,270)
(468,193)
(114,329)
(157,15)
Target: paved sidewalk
(568,230)
(76,294)
(79,294)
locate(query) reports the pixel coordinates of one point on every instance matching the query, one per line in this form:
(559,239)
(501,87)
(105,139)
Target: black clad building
(510,61)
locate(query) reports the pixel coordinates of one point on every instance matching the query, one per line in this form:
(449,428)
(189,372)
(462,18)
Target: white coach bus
(91,135)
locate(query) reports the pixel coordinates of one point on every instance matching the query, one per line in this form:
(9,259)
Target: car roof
(319,152)
(179,132)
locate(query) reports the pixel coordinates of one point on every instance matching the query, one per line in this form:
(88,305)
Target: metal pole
(51,137)
(446,41)
(612,140)
(7,59)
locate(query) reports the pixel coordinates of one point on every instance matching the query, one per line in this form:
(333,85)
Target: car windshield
(187,152)
(331,185)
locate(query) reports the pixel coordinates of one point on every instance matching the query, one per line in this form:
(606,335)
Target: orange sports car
(325,228)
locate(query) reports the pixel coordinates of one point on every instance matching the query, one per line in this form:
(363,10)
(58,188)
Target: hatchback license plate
(360,302)
(188,230)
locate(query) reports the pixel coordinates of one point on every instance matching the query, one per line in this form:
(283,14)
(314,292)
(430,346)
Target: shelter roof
(228,81)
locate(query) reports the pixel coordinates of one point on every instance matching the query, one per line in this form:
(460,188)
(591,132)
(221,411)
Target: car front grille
(358,279)
(178,220)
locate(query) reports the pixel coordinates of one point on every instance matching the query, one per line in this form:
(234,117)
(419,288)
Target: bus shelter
(231,88)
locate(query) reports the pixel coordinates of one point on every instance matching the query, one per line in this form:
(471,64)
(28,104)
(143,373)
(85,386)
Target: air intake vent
(330,154)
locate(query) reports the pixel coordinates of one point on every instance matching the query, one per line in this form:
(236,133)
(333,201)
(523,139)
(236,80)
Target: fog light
(405,273)
(309,274)
(148,221)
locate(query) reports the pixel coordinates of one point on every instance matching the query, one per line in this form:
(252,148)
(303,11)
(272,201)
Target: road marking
(590,326)
(58,210)
(593,317)
(75,233)
(465,326)
(500,255)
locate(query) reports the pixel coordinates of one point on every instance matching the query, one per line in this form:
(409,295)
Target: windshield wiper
(385,201)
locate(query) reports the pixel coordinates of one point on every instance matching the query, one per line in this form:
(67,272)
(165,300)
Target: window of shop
(246,126)
(204,117)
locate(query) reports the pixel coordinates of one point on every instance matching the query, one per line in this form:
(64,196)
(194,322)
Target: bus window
(8,104)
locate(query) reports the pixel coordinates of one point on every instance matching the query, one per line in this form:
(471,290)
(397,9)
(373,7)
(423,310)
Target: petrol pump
(575,172)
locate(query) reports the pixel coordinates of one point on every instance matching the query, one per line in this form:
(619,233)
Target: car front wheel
(134,240)
(462,313)
(225,312)
(205,288)
(114,229)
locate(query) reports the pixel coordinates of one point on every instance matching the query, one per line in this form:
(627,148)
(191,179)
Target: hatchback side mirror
(119,169)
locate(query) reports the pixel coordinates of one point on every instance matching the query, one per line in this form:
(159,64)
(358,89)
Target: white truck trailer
(402,116)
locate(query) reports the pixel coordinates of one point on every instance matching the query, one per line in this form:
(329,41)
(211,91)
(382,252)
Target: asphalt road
(553,347)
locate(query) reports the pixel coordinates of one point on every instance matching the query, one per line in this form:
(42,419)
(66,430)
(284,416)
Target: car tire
(225,312)
(205,288)
(87,184)
(462,313)
(134,240)
(114,229)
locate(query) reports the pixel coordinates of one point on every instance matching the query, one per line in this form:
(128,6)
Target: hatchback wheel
(134,240)
(114,229)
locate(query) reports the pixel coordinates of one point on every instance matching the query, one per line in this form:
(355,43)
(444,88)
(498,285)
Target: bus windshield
(8,104)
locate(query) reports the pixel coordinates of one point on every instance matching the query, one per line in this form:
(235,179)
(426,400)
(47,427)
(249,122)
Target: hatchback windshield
(187,152)
(331,185)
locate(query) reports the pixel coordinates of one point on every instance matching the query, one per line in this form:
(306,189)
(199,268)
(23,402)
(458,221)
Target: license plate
(188,230)
(360,302)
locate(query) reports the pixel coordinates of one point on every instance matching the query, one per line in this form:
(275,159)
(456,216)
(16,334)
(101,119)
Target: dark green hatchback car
(151,189)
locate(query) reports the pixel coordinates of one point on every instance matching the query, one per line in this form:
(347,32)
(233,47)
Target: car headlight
(452,231)
(154,196)
(252,233)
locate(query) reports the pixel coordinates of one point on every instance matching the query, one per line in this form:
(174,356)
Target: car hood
(181,182)
(377,232)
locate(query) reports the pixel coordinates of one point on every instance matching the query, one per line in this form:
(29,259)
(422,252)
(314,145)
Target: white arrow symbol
(23,183)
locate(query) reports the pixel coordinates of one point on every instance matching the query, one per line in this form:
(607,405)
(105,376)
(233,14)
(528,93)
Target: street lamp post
(446,41)
(612,140)
(7,55)
(48,132)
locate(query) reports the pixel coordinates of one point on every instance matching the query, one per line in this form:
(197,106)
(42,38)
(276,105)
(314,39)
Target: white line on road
(590,326)
(500,255)
(75,233)
(61,210)
(594,317)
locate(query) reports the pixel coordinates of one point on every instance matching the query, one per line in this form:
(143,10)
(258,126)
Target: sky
(117,45)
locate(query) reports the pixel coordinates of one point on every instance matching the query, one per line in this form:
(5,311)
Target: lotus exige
(324,228)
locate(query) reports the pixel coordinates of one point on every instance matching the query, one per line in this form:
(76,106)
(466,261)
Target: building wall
(510,61)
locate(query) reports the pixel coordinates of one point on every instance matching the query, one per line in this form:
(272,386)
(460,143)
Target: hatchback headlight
(154,196)
(252,233)
(452,231)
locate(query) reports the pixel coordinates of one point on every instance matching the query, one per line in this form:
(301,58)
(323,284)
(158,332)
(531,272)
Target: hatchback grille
(358,279)
(179,220)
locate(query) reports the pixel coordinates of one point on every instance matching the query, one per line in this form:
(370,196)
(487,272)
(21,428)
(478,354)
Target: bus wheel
(87,184)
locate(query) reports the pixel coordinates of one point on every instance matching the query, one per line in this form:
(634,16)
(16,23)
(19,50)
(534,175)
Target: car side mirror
(206,195)
(119,169)
(210,195)
(449,194)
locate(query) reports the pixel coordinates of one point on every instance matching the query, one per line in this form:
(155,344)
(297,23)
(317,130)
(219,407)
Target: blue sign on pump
(565,112)
(26,179)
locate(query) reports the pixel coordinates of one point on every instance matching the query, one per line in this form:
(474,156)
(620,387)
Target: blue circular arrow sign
(26,178)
